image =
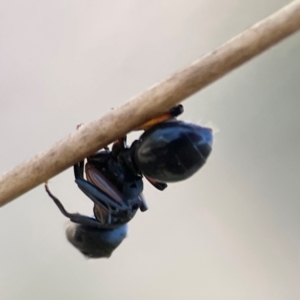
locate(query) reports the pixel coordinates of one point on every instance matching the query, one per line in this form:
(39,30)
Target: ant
(168,151)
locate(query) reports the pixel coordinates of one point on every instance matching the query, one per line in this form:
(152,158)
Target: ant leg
(78,169)
(108,201)
(99,158)
(159,185)
(144,205)
(97,195)
(119,146)
(172,113)
(176,110)
(75,217)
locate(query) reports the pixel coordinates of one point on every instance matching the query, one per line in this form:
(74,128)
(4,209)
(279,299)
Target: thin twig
(159,98)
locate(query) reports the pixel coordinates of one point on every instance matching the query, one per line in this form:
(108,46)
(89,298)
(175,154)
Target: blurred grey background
(231,231)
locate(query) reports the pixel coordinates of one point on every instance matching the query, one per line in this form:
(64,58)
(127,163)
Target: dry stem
(153,101)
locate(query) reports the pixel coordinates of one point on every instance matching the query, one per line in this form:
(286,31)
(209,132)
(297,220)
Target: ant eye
(133,185)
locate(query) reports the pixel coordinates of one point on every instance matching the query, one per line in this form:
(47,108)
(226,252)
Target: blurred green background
(230,232)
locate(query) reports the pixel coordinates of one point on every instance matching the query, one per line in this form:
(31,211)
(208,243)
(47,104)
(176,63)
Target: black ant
(168,151)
